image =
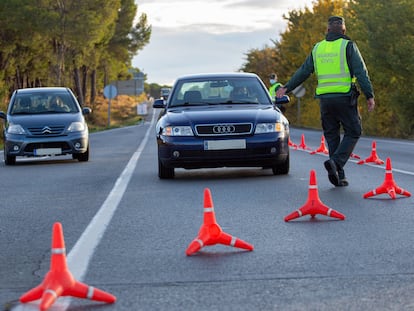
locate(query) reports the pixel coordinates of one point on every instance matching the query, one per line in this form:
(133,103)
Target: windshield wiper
(241,102)
(21,112)
(186,104)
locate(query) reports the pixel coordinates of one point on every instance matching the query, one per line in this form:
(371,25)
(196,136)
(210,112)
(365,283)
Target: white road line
(382,166)
(80,255)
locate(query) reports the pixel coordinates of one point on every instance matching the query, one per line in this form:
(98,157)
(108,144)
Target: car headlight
(15,129)
(177,131)
(76,127)
(262,128)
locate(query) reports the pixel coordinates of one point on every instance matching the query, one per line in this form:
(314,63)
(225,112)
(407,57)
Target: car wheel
(8,159)
(165,172)
(282,169)
(83,157)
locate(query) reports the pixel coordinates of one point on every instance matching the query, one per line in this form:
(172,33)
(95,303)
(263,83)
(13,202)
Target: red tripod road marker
(59,281)
(210,232)
(353,155)
(314,205)
(302,144)
(322,147)
(291,144)
(373,157)
(388,186)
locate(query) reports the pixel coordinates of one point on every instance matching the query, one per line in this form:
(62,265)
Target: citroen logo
(223,129)
(46,130)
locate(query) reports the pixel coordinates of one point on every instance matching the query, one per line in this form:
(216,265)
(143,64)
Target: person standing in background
(274,86)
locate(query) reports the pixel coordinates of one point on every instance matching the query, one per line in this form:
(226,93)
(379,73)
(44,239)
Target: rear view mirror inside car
(218,84)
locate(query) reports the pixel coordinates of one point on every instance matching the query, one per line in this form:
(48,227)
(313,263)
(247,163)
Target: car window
(219,91)
(43,103)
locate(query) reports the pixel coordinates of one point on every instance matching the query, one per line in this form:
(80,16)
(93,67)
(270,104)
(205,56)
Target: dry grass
(123,112)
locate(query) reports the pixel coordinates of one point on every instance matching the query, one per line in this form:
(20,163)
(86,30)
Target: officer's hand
(371,104)
(280,92)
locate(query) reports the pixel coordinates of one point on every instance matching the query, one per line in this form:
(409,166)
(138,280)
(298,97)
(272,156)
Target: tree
(263,62)
(305,28)
(384,31)
(127,39)
(70,42)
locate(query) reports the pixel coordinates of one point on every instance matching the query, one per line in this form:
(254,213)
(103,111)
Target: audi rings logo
(224,129)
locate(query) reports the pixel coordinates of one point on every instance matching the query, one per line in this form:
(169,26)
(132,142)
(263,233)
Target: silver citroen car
(45,121)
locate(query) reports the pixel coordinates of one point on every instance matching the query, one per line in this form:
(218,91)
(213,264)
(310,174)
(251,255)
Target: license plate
(224,144)
(47,151)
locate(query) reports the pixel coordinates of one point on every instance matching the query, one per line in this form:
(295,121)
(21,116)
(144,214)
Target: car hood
(45,119)
(223,114)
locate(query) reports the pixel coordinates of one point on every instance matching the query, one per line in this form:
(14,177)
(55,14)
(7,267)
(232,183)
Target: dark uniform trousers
(337,111)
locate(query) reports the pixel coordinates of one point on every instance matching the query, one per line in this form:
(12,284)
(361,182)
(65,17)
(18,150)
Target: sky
(200,36)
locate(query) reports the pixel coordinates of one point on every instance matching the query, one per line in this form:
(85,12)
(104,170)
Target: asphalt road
(126,231)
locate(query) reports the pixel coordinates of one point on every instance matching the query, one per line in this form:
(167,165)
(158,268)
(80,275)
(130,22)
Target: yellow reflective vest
(273,88)
(331,67)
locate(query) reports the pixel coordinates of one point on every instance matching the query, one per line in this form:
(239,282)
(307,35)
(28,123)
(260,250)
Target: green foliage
(79,44)
(305,28)
(385,36)
(262,62)
(384,33)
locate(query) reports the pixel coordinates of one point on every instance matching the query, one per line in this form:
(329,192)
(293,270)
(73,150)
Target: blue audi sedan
(221,120)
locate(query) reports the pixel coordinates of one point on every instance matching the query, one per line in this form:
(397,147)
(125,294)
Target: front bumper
(20,145)
(265,150)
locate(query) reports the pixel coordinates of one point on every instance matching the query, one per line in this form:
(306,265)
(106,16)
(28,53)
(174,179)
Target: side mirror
(159,103)
(86,110)
(3,115)
(282,100)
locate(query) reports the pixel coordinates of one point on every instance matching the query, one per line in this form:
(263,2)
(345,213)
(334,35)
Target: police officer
(274,86)
(336,62)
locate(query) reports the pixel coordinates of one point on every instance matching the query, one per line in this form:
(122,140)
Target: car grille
(224,129)
(47,130)
(62,145)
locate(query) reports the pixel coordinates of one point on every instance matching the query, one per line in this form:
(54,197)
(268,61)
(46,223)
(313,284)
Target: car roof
(218,75)
(42,89)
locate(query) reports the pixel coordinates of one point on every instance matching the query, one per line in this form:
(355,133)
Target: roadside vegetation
(88,44)
(123,112)
(383,31)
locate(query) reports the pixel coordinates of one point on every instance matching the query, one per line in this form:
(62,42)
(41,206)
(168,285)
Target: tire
(282,169)
(82,157)
(165,172)
(8,159)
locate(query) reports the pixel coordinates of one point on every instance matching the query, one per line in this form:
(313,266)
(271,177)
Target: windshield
(43,103)
(196,92)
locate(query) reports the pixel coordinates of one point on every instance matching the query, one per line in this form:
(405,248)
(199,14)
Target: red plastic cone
(388,186)
(314,205)
(353,155)
(59,281)
(291,144)
(302,144)
(211,233)
(373,157)
(322,147)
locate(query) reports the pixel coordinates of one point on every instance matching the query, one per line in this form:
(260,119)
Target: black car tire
(83,157)
(282,169)
(165,172)
(8,159)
